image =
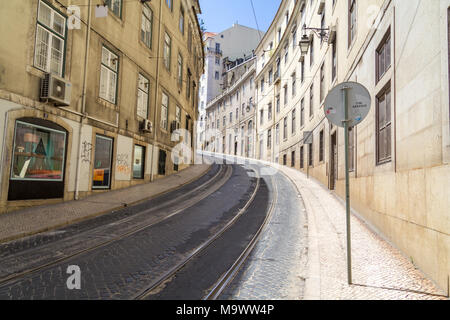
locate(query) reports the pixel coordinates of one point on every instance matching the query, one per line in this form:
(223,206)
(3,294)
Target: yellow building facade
(95,96)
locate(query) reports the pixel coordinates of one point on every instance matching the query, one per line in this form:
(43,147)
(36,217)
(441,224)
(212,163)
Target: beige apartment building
(94,97)
(230,124)
(400,154)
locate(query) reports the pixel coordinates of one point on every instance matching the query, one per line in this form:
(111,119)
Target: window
(164,111)
(302,68)
(50,40)
(167,50)
(302,157)
(294,84)
(311,100)
(310,154)
(142,96)
(217,60)
(284,159)
(231,117)
(237,113)
(138,163)
(261,117)
(39,153)
(115,6)
(269,112)
(302,113)
(224,121)
(277,106)
(262,85)
(311,52)
(180,71)
(322,24)
(189,37)
(383,134)
(108,75)
(188,84)
(351,21)
(147,25)
(333,60)
(181,21)
(178,116)
(383,56)
(216,75)
(269,139)
(293,159)
(285,124)
(322,82)
(293,122)
(285,94)
(321,146)
(102,162)
(286,53)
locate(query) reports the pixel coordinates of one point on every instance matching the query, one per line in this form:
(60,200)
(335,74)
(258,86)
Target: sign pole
(347,186)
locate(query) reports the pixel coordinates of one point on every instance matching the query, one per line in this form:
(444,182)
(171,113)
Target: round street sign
(358,101)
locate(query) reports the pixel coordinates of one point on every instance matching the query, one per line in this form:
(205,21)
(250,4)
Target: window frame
(150,19)
(52,33)
(109,69)
(383,94)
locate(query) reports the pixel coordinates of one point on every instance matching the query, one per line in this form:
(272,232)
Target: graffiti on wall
(122,164)
(86,150)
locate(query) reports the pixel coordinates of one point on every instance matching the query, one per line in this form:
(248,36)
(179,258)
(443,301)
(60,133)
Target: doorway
(333,161)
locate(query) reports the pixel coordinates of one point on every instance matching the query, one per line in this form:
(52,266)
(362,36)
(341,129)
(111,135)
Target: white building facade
(399,155)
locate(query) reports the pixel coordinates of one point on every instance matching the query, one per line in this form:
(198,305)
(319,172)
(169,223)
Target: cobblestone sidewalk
(379,271)
(34,220)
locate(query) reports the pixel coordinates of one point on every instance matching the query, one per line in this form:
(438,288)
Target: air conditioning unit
(56,89)
(146,126)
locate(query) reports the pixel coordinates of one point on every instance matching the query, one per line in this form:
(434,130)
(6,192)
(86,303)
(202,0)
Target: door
(102,163)
(333,161)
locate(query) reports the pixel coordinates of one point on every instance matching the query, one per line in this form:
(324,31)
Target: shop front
(38,160)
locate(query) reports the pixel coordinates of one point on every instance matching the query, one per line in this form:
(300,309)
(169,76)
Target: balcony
(215,51)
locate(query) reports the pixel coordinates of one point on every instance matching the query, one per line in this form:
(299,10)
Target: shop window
(38,153)
(102,163)
(139,162)
(38,160)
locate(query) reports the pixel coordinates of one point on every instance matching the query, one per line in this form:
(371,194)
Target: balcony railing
(214,51)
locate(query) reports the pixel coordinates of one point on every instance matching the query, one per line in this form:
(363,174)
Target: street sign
(346,105)
(359,101)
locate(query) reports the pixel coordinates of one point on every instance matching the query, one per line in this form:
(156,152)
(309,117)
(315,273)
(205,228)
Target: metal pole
(347,187)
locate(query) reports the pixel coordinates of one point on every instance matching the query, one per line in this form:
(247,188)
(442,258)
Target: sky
(219,15)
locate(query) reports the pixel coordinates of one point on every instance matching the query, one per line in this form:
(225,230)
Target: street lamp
(304,44)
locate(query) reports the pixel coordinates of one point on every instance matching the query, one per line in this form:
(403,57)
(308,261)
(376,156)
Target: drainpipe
(3,149)
(156,93)
(83,103)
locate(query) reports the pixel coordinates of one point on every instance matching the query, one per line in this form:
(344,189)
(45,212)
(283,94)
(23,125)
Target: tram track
(96,241)
(224,279)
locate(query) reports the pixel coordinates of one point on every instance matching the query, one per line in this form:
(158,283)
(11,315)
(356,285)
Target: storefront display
(102,163)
